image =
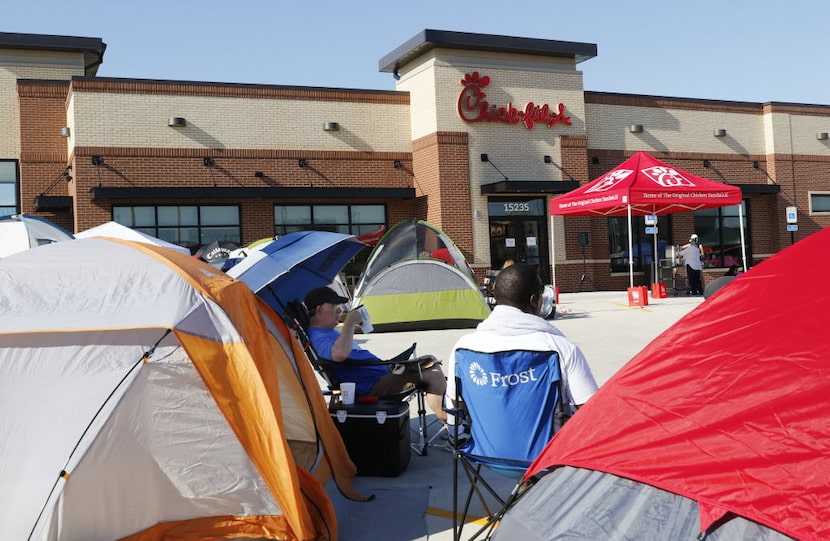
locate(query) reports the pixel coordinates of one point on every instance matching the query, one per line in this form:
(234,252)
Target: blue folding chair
(512,403)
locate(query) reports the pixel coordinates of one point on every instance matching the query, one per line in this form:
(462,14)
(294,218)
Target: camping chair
(487,288)
(512,403)
(296,317)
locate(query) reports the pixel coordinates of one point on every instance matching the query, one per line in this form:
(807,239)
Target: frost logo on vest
(610,180)
(496,379)
(666,177)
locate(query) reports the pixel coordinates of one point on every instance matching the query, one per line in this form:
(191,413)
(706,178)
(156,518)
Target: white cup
(366,326)
(347,391)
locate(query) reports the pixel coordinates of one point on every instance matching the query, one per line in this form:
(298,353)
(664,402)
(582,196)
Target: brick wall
(442,183)
(185,168)
(43,152)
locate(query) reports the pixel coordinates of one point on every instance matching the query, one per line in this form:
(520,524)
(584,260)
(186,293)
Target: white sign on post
(650,219)
(792,215)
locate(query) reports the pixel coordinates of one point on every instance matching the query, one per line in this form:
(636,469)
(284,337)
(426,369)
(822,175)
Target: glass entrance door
(518,233)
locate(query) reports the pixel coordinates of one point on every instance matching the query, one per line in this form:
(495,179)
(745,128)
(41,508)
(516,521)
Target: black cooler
(376,436)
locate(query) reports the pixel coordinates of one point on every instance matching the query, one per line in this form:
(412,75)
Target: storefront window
(8,188)
(334,218)
(720,234)
(188,226)
(819,203)
(288,219)
(347,219)
(642,242)
(366,218)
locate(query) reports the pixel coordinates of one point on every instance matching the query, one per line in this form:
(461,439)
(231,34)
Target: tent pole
(630,251)
(741,225)
(654,257)
(552,254)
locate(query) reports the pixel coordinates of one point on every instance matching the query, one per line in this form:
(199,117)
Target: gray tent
(578,505)
(417,279)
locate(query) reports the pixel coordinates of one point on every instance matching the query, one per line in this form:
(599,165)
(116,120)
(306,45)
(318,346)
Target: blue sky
(739,50)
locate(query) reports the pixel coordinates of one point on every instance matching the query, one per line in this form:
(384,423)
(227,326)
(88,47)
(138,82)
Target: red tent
(643,185)
(728,407)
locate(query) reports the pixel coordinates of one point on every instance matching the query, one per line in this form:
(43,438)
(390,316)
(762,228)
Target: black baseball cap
(322,295)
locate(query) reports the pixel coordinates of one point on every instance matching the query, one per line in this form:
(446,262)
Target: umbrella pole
(741,225)
(630,251)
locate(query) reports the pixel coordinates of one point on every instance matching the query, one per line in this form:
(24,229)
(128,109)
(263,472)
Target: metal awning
(251,193)
(528,186)
(53,203)
(759,188)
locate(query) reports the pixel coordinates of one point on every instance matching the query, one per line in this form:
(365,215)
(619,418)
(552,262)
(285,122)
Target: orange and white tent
(145,395)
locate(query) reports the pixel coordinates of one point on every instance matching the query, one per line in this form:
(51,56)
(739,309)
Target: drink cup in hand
(366,322)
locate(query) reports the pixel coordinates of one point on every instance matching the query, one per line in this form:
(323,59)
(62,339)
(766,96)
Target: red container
(638,296)
(659,291)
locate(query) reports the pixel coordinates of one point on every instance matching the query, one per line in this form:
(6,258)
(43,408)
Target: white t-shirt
(509,328)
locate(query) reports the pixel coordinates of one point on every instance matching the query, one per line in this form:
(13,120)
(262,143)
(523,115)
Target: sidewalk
(609,332)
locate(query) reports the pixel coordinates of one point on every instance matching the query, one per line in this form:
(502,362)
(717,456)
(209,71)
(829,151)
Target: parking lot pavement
(609,331)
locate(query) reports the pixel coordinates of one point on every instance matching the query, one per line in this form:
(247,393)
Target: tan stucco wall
(683,130)
(140,120)
(671,130)
(795,134)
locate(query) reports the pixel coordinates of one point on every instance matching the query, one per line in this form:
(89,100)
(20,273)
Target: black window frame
(813,195)
(159,231)
(350,227)
(618,241)
(718,252)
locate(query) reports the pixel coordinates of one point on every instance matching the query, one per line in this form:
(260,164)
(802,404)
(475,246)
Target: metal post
(630,251)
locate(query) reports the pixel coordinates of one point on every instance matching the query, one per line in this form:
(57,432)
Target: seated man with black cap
(324,309)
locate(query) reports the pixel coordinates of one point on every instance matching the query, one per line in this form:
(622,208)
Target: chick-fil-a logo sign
(472,107)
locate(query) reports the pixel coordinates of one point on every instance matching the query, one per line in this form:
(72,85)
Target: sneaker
(456,435)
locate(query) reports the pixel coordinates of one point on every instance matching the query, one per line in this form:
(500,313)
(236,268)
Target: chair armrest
(404,357)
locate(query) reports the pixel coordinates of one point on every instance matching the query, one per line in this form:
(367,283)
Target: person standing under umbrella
(692,254)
